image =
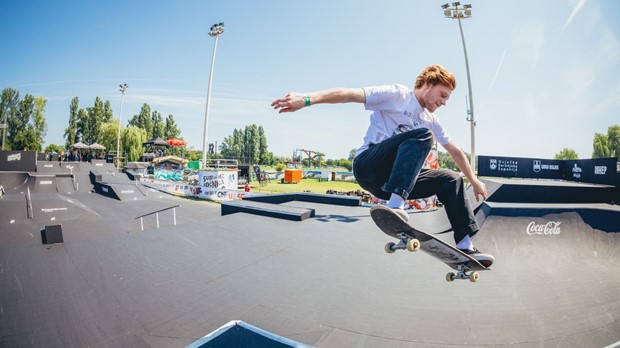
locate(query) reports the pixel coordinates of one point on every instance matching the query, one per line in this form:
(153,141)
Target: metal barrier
(29,204)
(174,216)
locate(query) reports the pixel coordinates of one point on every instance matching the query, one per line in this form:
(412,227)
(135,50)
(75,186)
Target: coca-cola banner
(18,161)
(596,171)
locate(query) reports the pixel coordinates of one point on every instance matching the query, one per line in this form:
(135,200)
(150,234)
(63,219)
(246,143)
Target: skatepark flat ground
(325,281)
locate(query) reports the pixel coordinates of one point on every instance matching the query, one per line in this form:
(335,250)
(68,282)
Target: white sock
(396,201)
(465,243)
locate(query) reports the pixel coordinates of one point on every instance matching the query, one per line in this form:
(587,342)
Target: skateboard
(413,239)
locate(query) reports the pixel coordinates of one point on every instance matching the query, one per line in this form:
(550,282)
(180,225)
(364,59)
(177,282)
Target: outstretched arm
(295,101)
(480,189)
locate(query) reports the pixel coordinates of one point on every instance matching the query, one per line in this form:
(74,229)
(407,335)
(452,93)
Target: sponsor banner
(198,191)
(18,161)
(596,171)
(220,179)
(515,167)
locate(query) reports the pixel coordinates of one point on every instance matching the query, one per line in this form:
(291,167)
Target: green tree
(566,154)
(72,129)
(107,112)
(53,148)
(613,135)
(251,144)
(8,110)
(132,139)
(19,132)
(38,127)
(248,145)
(158,125)
(352,154)
(446,161)
(109,135)
(95,115)
(601,146)
(231,146)
(143,120)
(171,130)
(83,126)
(264,156)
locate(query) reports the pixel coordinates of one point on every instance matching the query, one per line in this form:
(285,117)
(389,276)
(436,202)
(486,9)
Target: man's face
(435,96)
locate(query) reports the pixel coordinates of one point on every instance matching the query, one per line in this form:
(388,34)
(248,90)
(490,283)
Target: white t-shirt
(396,110)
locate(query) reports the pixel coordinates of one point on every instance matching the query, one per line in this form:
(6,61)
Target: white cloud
(573,14)
(499,66)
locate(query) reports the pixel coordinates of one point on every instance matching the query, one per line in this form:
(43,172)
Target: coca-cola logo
(550,228)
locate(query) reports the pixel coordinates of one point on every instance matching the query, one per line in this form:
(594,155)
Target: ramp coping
(209,337)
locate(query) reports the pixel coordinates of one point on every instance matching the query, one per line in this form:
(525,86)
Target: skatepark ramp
(274,205)
(117,187)
(239,334)
(326,282)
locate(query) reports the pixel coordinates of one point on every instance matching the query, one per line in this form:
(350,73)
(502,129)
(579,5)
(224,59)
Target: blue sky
(545,74)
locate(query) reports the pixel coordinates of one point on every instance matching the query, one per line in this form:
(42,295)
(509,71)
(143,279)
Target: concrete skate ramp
(122,192)
(546,191)
(65,184)
(14,182)
(42,184)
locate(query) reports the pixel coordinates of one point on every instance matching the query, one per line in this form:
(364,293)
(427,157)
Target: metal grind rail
(174,215)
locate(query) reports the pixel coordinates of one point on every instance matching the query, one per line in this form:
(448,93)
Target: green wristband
(307,100)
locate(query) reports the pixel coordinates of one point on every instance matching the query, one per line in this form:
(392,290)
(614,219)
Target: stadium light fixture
(215,31)
(457,13)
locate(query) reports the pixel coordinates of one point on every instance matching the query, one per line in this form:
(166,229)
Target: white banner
(221,179)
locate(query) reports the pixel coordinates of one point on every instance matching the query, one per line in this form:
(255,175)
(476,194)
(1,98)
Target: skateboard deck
(413,239)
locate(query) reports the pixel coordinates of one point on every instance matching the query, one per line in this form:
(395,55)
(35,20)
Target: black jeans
(395,166)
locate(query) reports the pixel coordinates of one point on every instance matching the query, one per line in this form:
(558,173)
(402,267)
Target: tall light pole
(457,13)
(123,88)
(215,31)
(4,127)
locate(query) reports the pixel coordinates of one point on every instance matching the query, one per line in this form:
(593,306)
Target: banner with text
(218,179)
(18,161)
(596,171)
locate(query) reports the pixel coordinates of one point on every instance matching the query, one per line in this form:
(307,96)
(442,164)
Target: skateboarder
(400,135)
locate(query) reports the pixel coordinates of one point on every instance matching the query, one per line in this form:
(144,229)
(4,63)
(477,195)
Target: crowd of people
(74,156)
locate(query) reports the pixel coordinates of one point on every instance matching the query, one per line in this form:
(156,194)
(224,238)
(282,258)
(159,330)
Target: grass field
(305,185)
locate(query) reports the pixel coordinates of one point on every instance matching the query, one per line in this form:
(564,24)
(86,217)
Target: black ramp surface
(324,282)
(65,185)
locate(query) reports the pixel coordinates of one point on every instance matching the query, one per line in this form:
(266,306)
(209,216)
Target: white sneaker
(402,213)
(397,211)
(485,259)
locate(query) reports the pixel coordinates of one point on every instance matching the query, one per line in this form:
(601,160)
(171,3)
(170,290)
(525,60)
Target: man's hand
(480,189)
(292,102)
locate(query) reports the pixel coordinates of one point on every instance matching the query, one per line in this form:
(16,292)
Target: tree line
(26,128)
(23,121)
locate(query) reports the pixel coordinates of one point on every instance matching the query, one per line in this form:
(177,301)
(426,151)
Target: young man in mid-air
(399,137)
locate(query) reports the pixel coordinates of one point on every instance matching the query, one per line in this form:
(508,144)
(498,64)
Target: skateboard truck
(412,244)
(406,242)
(463,272)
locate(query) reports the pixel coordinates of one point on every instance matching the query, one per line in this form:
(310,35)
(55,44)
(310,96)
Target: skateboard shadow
(338,218)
